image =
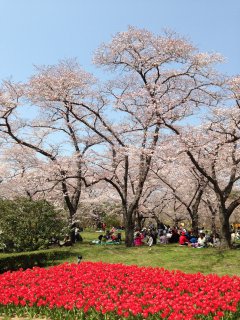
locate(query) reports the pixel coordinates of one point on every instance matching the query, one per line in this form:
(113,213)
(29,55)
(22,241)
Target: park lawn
(171,256)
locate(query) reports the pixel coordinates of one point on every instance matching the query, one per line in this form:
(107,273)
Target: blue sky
(37,32)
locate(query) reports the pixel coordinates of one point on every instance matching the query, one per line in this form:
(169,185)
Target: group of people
(202,240)
(150,236)
(110,237)
(166,234)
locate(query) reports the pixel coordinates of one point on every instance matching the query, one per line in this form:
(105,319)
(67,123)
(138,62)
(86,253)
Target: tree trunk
(72,225)
(194,211)
(194,218)
(213,211)
(213,226)
(139,220)
(129,229)
(225,234)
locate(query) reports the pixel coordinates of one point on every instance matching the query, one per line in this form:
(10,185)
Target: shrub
(25,260)
(28,225)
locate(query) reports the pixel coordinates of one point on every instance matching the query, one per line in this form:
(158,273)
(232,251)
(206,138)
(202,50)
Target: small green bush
(25,260)
(28,225)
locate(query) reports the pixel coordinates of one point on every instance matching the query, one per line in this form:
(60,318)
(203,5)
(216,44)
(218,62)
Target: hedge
(25,260)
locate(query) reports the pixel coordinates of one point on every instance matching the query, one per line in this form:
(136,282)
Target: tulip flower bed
(114,291)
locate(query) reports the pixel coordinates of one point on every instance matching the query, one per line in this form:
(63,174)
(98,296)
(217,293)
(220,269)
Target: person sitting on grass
(149,240)
(66,242)
(107,236)
(216,240)
(113,236)
(233,237)
(238,233)
(175,236)
(201,243)
(192,239)
(183,240)
(209,239)
(119,237)
(163,238)
(100,238)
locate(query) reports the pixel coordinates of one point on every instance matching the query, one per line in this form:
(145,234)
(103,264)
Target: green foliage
(28,225)
(15,261)
(112,220)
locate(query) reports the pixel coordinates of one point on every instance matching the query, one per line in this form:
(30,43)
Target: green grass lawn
(171,256)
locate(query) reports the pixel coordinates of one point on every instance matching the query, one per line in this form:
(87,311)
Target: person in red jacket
(138,239)
(183,240)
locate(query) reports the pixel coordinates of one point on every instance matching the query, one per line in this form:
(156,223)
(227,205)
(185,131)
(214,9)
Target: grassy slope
(171,257)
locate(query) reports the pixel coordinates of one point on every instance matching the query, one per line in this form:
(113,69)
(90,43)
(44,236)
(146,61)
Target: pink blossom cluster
(123,290)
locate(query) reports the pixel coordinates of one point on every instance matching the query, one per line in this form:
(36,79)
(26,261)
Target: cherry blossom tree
(24,174)
(51,131)
(160,79)
(158,203)
(218,161)
(178,174)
